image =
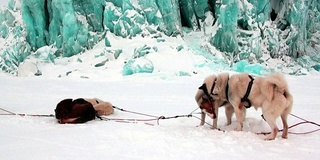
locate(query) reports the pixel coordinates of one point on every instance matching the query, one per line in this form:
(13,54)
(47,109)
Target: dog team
(235,92)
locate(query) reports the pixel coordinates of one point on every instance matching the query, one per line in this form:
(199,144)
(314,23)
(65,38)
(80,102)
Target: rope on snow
(158,118)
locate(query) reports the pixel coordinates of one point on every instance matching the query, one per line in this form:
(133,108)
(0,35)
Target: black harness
(245,97)
(227,90)
(205,90)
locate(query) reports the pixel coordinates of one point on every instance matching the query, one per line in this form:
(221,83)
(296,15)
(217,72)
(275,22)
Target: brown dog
(210,106)
(74,111)
(271,93)
(81,110)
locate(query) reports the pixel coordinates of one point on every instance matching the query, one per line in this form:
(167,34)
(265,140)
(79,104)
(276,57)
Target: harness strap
(205,90)
(212,87)
(98,116)
(224,103)
(227,90)
(245,97)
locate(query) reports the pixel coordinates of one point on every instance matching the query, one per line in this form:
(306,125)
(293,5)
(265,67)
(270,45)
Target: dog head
(208,107)
(63,109)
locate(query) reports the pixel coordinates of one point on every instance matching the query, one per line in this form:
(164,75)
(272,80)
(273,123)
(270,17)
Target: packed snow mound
(270,34)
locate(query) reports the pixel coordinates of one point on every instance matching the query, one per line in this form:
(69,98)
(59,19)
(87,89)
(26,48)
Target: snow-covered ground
(43,138)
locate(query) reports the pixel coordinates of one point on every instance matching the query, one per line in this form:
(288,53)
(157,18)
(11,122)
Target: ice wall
(226,37)
(249,29)
(75,25)
(14,47)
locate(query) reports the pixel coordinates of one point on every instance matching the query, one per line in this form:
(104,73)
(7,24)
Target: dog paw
(284,136)
(270,137)
(239,128)
(213,127)
(199,125)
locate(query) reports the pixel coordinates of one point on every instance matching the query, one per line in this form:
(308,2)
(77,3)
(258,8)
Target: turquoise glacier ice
(246,32)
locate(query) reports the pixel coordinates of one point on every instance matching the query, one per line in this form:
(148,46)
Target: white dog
(210,106)
(271,93)
(101,107)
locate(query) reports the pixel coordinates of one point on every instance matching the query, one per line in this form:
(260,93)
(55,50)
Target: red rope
(292,126)
(138,113)
(297,124)
(157,118)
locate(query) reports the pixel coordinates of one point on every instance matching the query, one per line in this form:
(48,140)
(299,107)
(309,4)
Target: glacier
(257,36)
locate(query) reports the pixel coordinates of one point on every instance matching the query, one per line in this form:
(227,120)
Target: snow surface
(43,138)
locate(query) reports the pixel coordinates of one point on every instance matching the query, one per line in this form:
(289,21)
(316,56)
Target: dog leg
(273,134)
(284,116)
(229,111)
(271,120)
(215,119)
(239,116)
(203,118)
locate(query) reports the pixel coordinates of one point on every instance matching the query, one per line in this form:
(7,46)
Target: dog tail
(275,82)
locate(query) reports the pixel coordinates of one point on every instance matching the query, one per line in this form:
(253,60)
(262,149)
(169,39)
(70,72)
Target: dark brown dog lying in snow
(81,110)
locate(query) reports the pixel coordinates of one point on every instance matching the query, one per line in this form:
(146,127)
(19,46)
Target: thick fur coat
(74,111)
(270,93)
(211,108)
(81,110)
(103,108)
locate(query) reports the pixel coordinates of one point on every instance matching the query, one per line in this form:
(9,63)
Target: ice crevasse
(254,31)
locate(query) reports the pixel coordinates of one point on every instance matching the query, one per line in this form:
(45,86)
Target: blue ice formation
(287,28)
(226,37)
(245,29)
(244,66)
(143,51)
(140,65)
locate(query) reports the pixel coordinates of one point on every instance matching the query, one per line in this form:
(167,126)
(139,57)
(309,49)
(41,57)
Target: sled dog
(103,108)
(271,93)
(210,106)
(81,110)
